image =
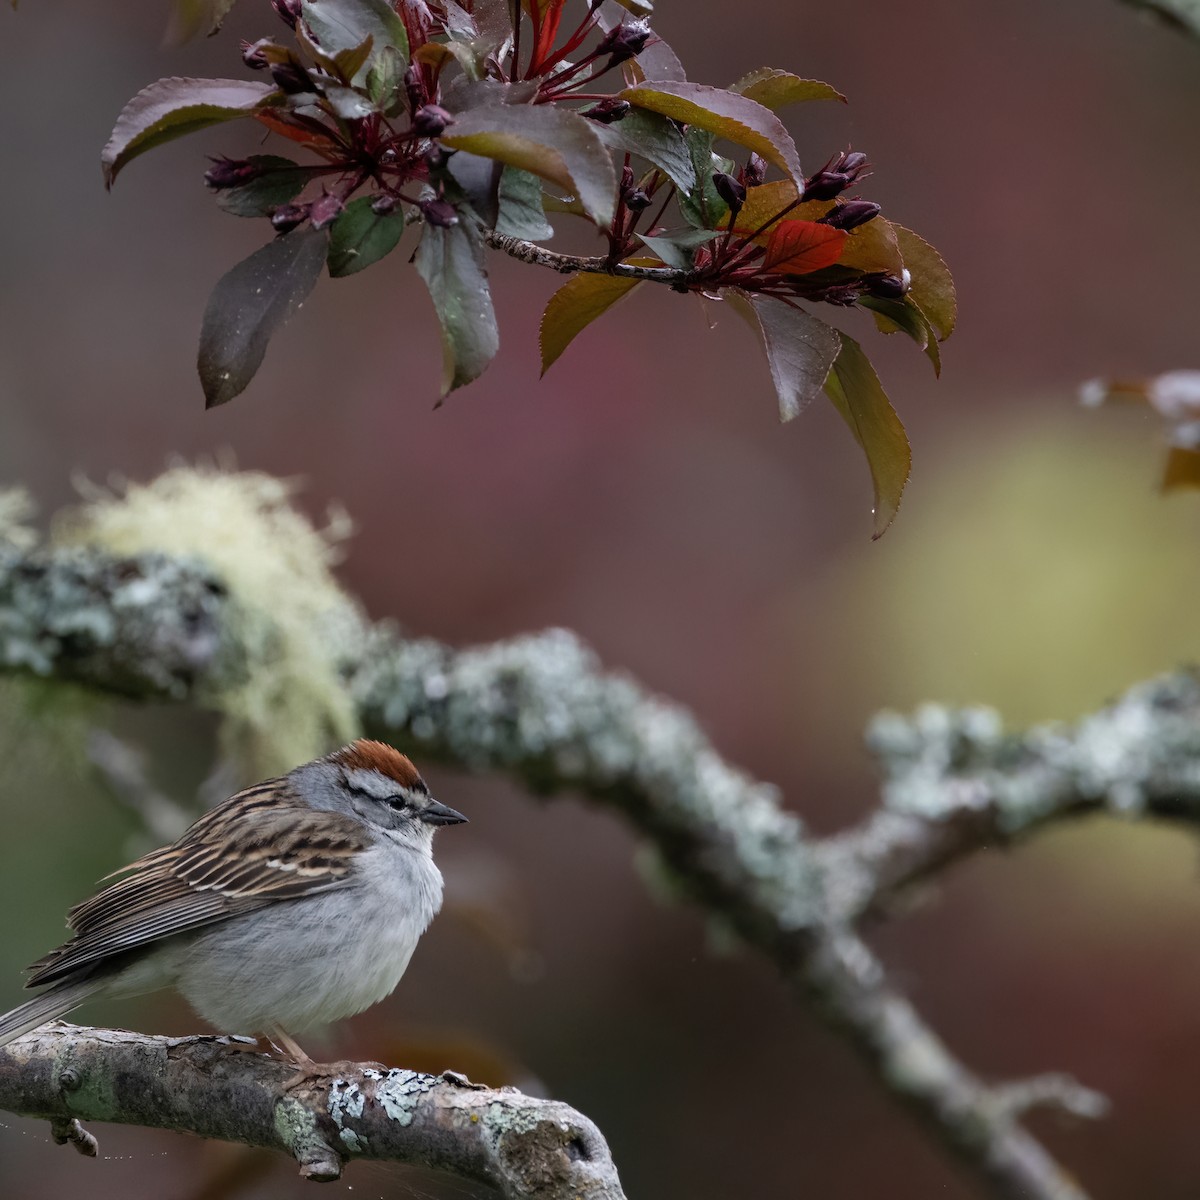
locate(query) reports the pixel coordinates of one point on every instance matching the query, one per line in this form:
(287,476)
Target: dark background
(645,495)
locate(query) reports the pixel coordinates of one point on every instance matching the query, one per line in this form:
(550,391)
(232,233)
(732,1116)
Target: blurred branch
(123,770)
(955,783)
(528,1149)
(1179,14)
(541,709)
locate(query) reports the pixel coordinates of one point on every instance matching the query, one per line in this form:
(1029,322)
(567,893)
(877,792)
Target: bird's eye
(396,803)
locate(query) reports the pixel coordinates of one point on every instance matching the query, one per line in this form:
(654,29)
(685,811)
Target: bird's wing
(285,849)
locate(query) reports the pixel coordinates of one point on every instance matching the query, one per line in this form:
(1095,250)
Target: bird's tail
(51,1004)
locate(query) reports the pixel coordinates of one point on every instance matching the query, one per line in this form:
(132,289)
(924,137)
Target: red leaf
(798,247)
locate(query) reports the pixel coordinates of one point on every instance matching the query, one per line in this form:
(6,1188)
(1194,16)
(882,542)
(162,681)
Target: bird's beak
(441,814)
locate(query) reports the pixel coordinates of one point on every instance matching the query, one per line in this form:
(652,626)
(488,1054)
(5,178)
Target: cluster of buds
(842,171)
(851,214)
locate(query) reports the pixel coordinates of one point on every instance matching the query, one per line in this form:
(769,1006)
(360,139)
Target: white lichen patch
(292,620)
(347,1101)
(399,1092)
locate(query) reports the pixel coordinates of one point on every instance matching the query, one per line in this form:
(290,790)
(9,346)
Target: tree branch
(527,1149)
(570,264)
(541,709)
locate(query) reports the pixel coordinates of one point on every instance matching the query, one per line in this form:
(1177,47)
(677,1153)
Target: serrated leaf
(701,205)
(932,284)
(574,307)
(800,348)
(172,108)
(773,88)
(905,316)
(654,138)
(857,394)
(678,250)
(797,247)
(344,24)
(360,236)
(248,304)
(450,261)
(350,62)
(725,114)
(521,214)
(554,143)
(282,180)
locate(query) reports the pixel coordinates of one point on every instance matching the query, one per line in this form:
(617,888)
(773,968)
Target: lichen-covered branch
(528,1149)
(569,264)
(541,709)
(955,782)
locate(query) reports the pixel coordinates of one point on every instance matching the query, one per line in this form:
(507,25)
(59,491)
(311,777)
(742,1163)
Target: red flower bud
(636,200)
(431,121)
(624,42)
(287,10)
(755,170)
(608,111)
(440,213)
(287,216)
(228,172)
(890,287)
(851,214)
(383,204)
(728,188)
(325,210)
(839,173)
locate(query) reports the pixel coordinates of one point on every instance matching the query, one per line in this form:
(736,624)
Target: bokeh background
(645,495)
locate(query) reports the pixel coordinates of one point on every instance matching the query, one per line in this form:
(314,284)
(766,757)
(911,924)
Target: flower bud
(891,287)
(755,170)
(608,111)
(625,41)
(288,11)
(325,210)
(851,214)
(839,173)
(287,216)
(228,172)
(292,78)
(636,200)
(431,120)
(253,56)
(383,204)
(728,188)
(439,212)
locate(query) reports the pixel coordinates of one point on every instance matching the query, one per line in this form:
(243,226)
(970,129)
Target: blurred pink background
(645,495)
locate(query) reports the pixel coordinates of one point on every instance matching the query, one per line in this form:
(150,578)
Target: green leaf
(349,103)
(248,304)
(773,88)
(932,287)
(905,316)
(360,236)
(800,348)
(171,108)
(654,138)
(282,180)
(574,307)
(725,114)
(384,79)
(702,206)
(521,214)
(678,250)
(450,261)
(856,393)
(344,24)
(556,144)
